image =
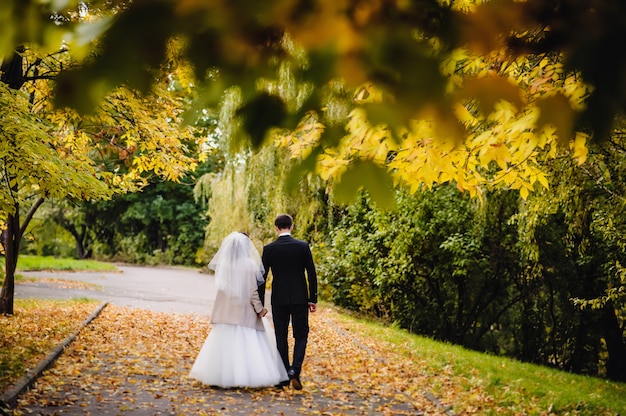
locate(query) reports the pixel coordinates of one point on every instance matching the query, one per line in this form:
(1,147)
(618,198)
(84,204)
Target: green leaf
(260,114)
(407,68)
(140,34)
(302,168)
(364,174)
(556,111)
(394,116)
(204,52)
(81,90)
(320,66)
(491,89)
(332,135)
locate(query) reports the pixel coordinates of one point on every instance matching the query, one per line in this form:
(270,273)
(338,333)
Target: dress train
(238,356)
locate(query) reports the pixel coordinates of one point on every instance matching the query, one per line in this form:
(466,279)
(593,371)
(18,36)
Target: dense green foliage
(575,233)
(437,265)
(447,267)
(539,280)
(162,224)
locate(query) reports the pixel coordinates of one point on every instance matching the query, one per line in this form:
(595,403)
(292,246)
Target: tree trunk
(13,70)
(12,239)
(585,351)
(613,334)
(80,250)
(78,237)
(82,244)
(81,237)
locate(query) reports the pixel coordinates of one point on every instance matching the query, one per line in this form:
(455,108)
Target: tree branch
(38,77)
(30,215)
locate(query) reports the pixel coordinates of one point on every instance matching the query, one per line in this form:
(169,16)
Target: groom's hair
(283,221)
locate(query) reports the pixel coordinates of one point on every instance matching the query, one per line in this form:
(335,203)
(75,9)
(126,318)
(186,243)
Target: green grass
(502,385)
(20,278)
(33,263)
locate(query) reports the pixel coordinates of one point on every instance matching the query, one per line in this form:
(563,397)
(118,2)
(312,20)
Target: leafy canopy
(502,81)
(35,161)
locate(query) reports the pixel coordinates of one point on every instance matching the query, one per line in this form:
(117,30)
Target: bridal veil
(236,259)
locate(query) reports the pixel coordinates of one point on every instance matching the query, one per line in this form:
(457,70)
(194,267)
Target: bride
(238,351)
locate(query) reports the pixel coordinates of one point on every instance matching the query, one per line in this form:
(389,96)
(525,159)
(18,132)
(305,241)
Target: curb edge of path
(8,400)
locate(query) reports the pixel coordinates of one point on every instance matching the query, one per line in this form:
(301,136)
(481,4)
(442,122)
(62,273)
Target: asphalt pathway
(188,291)
(174,289)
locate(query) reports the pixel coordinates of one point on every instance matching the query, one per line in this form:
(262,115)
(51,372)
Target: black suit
(292,291)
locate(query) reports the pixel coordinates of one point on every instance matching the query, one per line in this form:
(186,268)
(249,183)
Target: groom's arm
(261,287)
(311,275)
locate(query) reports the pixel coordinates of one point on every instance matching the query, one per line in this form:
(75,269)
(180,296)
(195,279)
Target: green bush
(46,238)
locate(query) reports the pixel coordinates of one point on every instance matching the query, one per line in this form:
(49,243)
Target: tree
(439,264)
(53,153)
(32,171)
(589,201)
(160,224)
(70,218)
(399,47)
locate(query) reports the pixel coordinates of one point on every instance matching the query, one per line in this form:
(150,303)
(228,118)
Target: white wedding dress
(238,356)
(240,350)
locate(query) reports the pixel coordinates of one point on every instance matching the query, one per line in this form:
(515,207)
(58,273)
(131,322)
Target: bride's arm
(255,300)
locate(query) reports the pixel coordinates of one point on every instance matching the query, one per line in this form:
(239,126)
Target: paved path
(329,390)
(175,289)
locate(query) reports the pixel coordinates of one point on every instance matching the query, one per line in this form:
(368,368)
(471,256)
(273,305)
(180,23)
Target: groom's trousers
(299,315)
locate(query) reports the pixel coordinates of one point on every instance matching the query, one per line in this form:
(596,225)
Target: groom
(294,293)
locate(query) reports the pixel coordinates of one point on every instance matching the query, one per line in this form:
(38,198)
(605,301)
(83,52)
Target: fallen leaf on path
(131,359)
(31,333)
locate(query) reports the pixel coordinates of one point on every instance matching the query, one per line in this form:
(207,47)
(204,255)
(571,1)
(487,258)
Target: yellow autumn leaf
(524,192)
(541,178)
(464,116)
(579,147)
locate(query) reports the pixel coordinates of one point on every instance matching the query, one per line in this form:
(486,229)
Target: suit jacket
(289,259)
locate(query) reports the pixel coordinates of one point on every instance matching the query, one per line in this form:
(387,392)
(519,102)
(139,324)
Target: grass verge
(36,327)
(32,263)
(477,383)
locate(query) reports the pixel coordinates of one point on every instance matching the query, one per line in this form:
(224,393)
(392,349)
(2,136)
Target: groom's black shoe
(282,384)
(295,379)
